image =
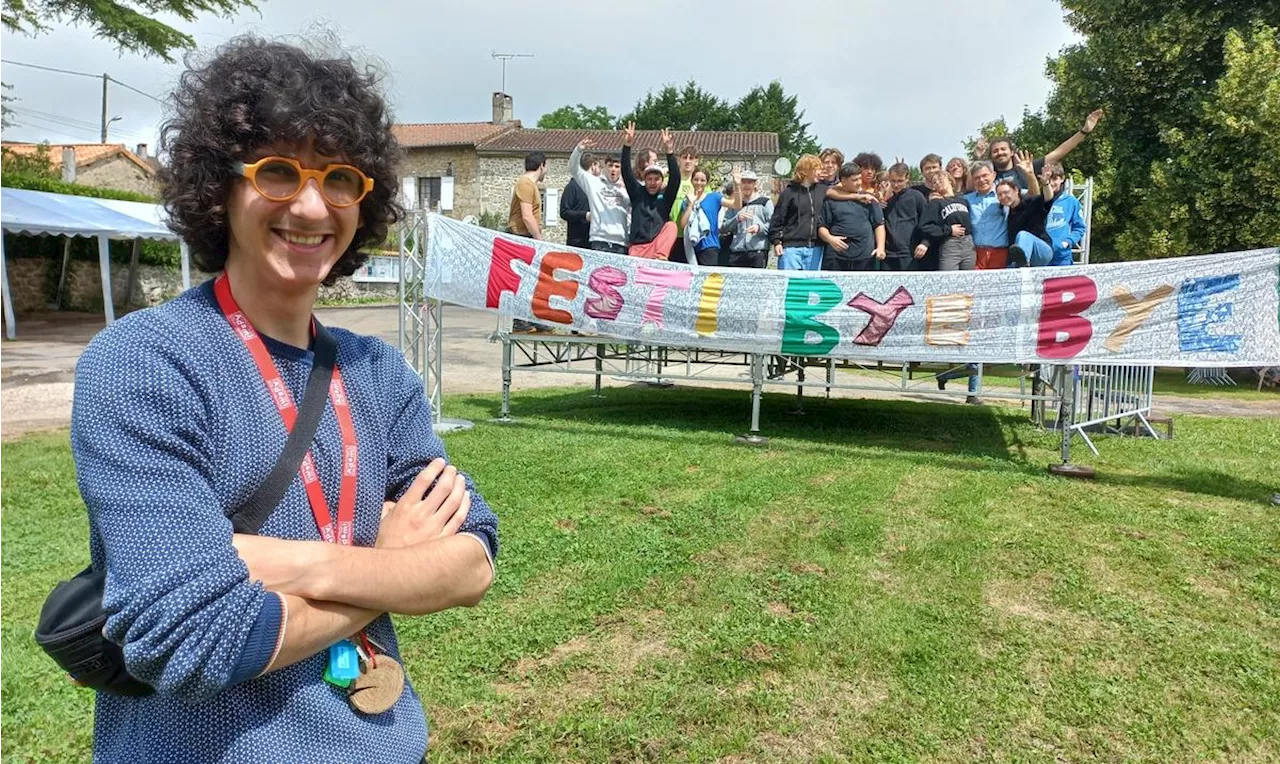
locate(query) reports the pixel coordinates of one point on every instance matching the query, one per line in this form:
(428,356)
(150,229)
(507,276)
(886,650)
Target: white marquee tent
(40,213)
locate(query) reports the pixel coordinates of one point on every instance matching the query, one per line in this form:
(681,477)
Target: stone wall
(28,283)
(119,173)
(434,163)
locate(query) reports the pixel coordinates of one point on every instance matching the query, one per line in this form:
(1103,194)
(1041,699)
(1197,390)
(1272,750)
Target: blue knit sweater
(172,428)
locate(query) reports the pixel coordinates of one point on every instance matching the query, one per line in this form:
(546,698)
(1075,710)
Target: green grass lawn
(885,581)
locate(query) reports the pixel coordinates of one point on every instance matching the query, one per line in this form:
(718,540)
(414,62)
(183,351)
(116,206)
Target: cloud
(899,79)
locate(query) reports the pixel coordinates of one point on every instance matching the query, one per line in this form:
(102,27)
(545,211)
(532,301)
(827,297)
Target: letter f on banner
(1063,331)
(502,274)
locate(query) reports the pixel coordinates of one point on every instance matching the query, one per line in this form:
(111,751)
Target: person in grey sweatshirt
(610,214)
(748,227)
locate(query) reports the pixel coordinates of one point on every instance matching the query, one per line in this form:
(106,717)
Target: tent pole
(186,265)
(10,330)
(62,277)
(104,268)
(133,272)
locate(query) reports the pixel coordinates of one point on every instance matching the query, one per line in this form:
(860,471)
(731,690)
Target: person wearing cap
(652,233)
(748,230)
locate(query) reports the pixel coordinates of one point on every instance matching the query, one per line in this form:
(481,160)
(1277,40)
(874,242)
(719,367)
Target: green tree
(6,112)
(130,26)
(688,108)
(770,110)
(1150,66)
(578,117)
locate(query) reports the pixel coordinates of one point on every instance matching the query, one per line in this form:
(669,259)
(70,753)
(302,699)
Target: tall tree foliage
(578,117)
(765,108)
(1167,75)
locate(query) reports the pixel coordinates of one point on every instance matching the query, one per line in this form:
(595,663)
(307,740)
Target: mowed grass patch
(883,581)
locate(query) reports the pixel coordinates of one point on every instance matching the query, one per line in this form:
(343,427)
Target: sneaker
(523,327)
(973,400)
(1018,257)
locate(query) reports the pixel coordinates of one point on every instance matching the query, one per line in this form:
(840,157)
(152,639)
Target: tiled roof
(411,136)
(86,153)
(563,141)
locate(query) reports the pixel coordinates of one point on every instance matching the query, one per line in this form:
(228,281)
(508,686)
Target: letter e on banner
(1063,332)
(502,274)
(549,286)
(801,307)
(946,319)
(604,281)
(1196,315)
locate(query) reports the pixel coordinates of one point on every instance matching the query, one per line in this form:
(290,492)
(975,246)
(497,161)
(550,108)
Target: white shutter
(446,194)
(551,208)
(409,193)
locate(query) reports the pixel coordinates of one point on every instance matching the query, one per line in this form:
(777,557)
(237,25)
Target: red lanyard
(289,413)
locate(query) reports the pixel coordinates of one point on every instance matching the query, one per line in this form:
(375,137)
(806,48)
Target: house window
(428,193)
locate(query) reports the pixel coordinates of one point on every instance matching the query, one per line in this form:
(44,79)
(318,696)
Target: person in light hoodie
(610,214)
(1065,222)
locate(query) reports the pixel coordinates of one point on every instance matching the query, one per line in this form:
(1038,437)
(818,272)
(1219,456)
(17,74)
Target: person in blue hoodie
(1065,223)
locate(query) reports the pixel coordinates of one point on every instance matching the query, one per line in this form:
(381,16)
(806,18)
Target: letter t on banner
(661,280)
(502,276)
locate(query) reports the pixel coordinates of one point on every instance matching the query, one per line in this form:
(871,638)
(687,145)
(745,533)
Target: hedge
(32,182)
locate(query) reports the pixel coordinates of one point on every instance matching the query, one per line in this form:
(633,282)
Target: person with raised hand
(609,205)
(652,233)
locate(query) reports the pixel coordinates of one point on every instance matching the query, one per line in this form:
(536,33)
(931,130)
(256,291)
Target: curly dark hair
(869,160)
(253,93)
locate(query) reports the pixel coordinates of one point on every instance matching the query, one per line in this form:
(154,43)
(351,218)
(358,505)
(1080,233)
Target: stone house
(469,169)
(103,165)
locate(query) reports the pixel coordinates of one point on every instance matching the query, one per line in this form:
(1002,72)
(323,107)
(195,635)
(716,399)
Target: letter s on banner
(1063,332)
(604,281)
(549,286)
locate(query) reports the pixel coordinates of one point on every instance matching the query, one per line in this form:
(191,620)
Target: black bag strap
(250,515)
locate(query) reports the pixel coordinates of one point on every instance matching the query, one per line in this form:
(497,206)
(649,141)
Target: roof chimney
(68,164)
(503,109)
(142,151)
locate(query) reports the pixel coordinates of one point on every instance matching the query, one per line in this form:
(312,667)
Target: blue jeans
(1036,249)
(800,259)
(970,370)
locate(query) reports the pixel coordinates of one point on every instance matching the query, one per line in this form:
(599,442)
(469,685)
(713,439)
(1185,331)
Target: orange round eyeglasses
(281,179)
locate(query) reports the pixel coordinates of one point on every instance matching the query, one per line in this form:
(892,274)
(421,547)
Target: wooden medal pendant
(377,689)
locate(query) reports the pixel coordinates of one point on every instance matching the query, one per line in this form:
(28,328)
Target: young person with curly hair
(280,170)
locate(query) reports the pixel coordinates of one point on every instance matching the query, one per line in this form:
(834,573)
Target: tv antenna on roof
(504,58)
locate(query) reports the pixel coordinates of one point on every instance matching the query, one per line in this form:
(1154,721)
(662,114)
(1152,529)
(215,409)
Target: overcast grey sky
(891,99)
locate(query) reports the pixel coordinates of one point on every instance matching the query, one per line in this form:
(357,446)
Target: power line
(82,74)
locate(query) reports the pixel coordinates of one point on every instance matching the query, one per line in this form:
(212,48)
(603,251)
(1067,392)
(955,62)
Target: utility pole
(504,58)
(105,80)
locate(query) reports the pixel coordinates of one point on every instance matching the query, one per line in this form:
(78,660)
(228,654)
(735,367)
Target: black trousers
(897,264)
(708,256)
(677,251)
(844,264)
(748,259)
(604,246)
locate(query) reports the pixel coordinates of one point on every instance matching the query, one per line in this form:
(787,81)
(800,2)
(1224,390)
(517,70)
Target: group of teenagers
(1003,209)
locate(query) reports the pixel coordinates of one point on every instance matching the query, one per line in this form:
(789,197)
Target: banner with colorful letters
(1212,310)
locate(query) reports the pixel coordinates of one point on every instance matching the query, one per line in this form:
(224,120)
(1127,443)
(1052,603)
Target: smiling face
(982,179)
(688,161)
(290,245)
(898,182)
(699,181)
(653,182)
(829,168)
(1002,153)
(1008,195)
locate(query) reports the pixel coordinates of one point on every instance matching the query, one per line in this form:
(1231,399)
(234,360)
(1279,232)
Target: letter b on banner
(801,309)
(1063,331)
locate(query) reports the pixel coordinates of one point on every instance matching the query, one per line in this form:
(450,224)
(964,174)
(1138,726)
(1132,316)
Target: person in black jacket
(902,214)
(853,230)
(947,226)
(575,209)
(794,228)
(652,232)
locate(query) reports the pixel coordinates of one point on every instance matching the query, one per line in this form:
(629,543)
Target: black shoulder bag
(72,619)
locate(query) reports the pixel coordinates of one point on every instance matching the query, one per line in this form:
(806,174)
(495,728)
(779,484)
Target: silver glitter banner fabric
(1212,310)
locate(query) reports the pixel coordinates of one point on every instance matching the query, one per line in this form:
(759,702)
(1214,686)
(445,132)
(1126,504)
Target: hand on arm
(880,254)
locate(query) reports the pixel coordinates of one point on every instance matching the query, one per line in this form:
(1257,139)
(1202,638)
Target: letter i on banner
(708,303)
